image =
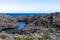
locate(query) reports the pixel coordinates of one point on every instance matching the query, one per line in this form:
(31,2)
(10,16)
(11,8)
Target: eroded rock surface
(5,36)
(34,24)
(37,24)
(7,22)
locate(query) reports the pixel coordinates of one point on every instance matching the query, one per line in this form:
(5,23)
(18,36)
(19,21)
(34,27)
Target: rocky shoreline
(41,25)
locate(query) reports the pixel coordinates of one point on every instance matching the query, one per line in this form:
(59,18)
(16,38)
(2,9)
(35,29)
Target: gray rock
(7,22)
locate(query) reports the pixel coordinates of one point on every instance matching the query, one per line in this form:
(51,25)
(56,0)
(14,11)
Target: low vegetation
(52,29)
(34,37)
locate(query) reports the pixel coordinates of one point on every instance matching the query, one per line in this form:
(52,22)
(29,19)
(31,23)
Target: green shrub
(51,29)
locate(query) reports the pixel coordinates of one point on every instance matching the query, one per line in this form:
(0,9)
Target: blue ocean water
(26,14)
(21,25)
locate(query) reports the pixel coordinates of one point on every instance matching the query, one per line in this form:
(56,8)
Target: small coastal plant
(34,37)
(52,29)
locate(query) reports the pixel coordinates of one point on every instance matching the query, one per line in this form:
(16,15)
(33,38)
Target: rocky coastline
(35,25)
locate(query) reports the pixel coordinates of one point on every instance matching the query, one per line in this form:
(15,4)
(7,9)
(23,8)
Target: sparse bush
(51,29)
(34,37)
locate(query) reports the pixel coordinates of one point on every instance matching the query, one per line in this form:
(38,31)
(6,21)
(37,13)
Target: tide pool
(21,25)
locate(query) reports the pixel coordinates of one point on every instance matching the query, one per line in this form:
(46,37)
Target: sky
(29,6)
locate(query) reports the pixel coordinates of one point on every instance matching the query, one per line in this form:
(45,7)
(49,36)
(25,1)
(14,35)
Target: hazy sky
(29,6)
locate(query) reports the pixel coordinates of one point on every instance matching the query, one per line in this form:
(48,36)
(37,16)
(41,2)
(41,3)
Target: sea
(21,24)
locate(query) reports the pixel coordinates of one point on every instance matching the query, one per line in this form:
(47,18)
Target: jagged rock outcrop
(7,22)
(50,20)
(34,24)
(42,24)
